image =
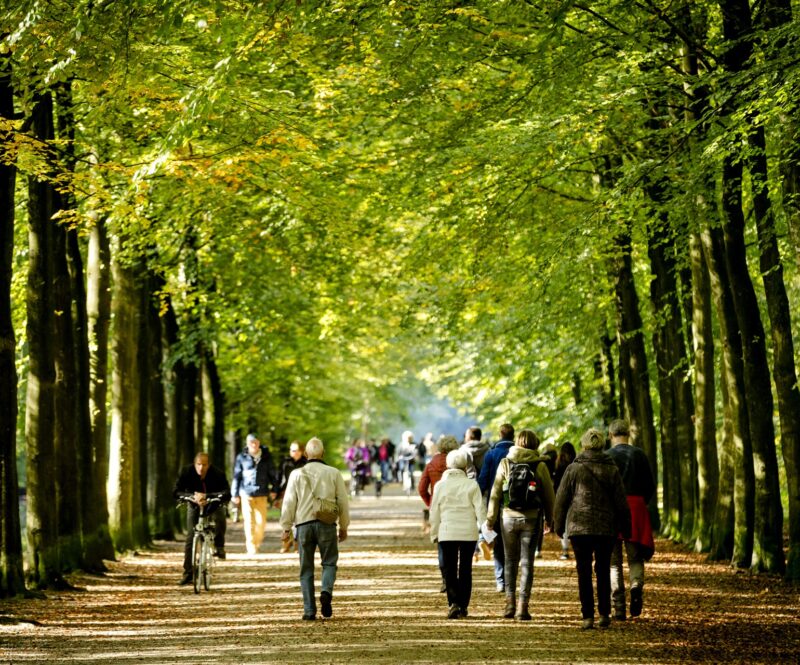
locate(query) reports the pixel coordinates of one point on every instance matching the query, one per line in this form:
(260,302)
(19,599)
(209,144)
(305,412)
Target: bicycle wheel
(208,565)
(197,560)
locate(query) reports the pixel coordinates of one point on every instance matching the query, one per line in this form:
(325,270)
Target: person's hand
(548,527)
(236,500)
(342,535)
(287,535)
(200,498)
(272,497)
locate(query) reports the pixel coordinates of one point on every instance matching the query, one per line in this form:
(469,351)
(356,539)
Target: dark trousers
(585,548)
(192,515)
(456,556)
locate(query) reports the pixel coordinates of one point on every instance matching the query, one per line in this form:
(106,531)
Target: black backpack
(523,487)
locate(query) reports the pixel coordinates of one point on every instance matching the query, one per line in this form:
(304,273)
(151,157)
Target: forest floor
(388,609)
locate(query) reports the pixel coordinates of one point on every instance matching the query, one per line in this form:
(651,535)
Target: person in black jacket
(196,481)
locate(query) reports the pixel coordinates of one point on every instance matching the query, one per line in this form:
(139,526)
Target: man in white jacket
(316,480)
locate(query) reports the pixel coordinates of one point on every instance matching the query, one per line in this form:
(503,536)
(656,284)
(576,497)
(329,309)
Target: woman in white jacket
(456,512)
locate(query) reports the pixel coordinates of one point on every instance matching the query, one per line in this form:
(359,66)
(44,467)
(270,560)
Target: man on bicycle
(195,482)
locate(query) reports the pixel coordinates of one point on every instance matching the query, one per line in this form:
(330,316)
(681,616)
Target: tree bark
(125,391)
(705,395)
(12,580)
(42,528)
(97,536)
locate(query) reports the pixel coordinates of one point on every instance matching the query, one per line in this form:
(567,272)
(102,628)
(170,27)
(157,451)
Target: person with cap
(457,510)
(591,507)
(309,488)
(252,488)
(640,486)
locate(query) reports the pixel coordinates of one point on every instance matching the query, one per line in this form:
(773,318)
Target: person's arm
(548,496)
(424,486)
(181,489)
(434,516)
(237,479)
(563,501)
(289,502)
(343,501)
(484,477)
(621,509)
(478,505)
(496,495)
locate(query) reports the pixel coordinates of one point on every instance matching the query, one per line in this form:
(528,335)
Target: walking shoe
(588,624)
(220,553)
(443,588)
(511,607)
(522,612)
(309,617)
(455,612)
(487,551)
(604,622)
(636,601)
(186,579)
(501,587)
(464,614)
(564,556)
(325,604)
(538,554)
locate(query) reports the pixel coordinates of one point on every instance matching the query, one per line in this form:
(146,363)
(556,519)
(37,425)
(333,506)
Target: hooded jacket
(519,455)
(477,451)
(591,498)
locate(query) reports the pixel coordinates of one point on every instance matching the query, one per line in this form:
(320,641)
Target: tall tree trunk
(722,528)
(68,390)
(705,419)
(12,580)
(42,528)
(141,516)
(160,475)
(97,536)
(604,376)
(777,13)
(216,398)
(125,391)
(735,405)
(768,537)
(635,378)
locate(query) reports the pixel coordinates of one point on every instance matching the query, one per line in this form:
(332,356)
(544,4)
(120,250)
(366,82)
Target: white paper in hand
(488,534)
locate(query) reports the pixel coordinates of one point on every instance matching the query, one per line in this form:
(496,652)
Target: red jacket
(430,476)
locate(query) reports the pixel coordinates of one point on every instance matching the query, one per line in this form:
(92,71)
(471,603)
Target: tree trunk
(777,13)
(160,477)
(97,537)
(722,528)
(604,376)
(125,390)
(704,413)
(735,404)
(635,378)
(768,537)
(68,391)
(12,580)
(216,399)
(42,527)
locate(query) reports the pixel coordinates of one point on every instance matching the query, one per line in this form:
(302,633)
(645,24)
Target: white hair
(457,459)
(314,448)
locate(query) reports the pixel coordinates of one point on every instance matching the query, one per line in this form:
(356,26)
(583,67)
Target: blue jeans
(519,540)
(310,536)
(499,552)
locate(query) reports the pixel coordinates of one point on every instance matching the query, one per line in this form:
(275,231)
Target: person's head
(527,439)
(619,431)
(593,439)
(566,454)
(314,448)
(295,450)
(457,459)
(506,432)
(201,464)
(447,442)
(408,436)
(253,444)
(473,434)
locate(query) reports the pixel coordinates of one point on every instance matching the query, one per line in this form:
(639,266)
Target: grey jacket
(591,498)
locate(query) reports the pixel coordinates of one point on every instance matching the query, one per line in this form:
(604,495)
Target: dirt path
(388,609)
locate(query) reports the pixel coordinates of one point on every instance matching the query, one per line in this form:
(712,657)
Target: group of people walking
(597,500)
(497,499)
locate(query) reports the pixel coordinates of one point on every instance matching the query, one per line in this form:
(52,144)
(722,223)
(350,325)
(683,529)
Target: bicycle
(203,542)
